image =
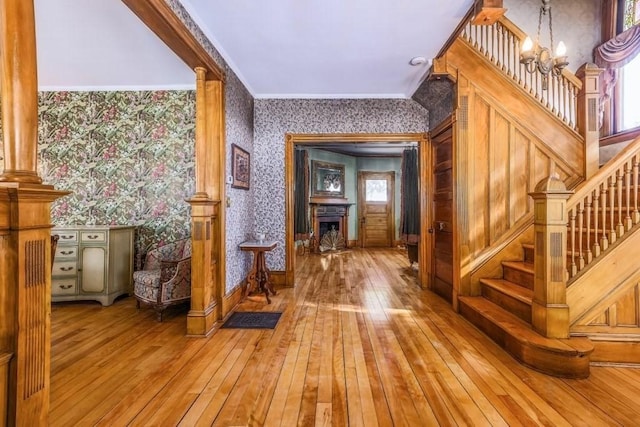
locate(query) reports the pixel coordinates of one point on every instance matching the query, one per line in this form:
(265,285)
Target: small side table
(259,274)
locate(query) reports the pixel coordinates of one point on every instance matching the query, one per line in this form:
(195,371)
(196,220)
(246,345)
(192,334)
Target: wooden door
(375,208)
(442,205)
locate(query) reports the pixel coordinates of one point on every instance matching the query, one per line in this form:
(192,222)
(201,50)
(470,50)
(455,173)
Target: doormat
(252,320)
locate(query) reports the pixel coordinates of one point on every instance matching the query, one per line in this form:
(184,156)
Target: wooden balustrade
(501,43)
(603,209)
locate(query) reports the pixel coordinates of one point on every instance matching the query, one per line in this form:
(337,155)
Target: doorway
(325,140)
(376,213)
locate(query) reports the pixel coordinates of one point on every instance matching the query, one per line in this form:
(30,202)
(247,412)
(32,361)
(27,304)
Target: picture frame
(240,168)
(327,179)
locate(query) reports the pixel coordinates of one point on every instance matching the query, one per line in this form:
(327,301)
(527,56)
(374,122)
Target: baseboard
(278,278)
(625,353)
(233,298)
(352,243)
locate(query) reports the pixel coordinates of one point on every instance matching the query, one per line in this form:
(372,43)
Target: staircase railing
(501,43)
(603,209)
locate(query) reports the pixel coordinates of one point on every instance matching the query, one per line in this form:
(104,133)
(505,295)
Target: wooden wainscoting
(358,343)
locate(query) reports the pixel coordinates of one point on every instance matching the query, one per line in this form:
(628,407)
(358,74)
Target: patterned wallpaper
(128,157)
(436,96)
(575,23)
(276,117)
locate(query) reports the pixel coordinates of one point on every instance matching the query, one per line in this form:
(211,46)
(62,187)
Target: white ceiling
(102,45)
(278,48)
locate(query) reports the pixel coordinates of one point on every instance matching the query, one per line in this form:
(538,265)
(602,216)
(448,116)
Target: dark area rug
(252,320)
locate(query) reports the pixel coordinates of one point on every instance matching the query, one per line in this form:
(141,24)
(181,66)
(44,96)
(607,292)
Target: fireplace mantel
(330,210)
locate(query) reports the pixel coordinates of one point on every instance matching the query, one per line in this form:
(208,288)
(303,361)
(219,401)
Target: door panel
(375,208)
(442,205)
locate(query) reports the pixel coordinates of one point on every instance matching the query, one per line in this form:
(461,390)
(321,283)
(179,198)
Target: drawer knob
(66,252)
(92,236)
(65,286)
(66,268)
(66,237)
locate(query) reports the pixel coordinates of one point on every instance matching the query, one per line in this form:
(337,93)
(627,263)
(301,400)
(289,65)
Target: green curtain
(301,199)
(410,202)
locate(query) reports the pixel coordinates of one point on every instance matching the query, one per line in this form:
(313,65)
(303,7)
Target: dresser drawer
(63,286)
(64,268)
(67,236)
(93,236)
(67,252)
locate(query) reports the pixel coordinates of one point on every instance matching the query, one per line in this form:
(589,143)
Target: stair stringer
(604,285)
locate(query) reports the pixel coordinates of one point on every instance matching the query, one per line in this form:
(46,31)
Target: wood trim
(160,18)
(624,136)
(232,299)
(292,139)
(278,278)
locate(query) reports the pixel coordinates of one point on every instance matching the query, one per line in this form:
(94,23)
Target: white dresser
(92,262)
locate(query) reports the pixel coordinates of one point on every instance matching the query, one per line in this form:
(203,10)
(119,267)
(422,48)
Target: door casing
(292,139)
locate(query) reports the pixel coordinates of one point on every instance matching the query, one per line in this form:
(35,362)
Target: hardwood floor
(358,344)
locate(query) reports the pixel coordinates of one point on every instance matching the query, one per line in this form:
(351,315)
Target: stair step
(510,296)
(567,358)
(529,251)
(518,272)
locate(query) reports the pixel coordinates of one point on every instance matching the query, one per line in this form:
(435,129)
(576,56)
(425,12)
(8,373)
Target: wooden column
(589,116)
(550,312)
(25,223)
(19,91)
(205,220)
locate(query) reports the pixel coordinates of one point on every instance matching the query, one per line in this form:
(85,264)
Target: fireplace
(328,215)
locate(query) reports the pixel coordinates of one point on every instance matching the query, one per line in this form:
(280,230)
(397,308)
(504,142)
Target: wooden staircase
(503,311)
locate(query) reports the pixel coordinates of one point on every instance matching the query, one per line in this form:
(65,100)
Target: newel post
(550,312)
(589,117)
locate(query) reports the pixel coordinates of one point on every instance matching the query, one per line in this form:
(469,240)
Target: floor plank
(358,343)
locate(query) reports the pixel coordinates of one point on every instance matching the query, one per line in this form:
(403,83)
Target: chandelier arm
(551,32)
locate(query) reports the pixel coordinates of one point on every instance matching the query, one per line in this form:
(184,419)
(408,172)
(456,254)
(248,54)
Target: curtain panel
(301,199)
(614,54)
(410,201)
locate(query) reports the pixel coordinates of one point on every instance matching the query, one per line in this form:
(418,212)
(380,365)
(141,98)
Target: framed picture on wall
(240,167)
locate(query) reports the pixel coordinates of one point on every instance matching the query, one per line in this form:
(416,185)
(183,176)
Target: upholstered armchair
(165,278)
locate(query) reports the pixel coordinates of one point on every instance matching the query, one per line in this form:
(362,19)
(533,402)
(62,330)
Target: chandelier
(534,57)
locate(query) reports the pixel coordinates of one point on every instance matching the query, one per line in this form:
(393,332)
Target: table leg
(268,286)
(252,278)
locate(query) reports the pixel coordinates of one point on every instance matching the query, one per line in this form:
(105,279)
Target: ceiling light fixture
(417,60)
(535,57)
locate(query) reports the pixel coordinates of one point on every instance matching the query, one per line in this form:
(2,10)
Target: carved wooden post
(550,312)
(589,116)
(25,223)
(204,299)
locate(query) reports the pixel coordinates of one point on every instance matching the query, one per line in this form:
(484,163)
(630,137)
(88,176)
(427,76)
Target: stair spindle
(596,204)
(628,223)
(580,234)
(573,269)
(634,175)
(589,254)
(612,195)
(619,207)
(604,241)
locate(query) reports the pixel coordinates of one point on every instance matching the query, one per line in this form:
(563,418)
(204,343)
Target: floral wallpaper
(128,158)
(276,117)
